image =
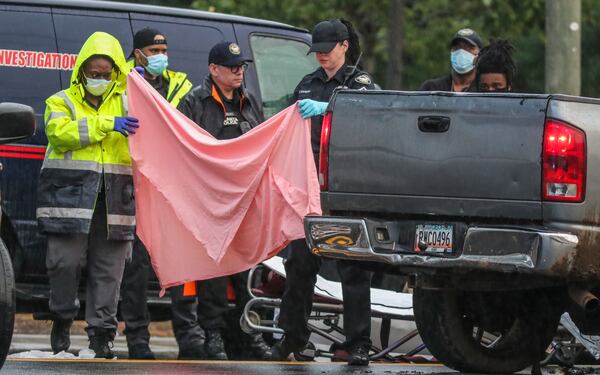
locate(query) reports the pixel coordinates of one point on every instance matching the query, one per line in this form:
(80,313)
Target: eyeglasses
(237,69)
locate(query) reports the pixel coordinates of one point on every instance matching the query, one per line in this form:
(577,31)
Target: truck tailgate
(438,145)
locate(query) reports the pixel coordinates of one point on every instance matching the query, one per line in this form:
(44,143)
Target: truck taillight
(563,162)
(324,152)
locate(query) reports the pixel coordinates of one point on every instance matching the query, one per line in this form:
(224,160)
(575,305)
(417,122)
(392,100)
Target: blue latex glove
(126,125)
(140,70)
(309,108)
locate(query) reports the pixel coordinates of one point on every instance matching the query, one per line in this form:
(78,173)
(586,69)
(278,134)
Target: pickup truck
(490,203)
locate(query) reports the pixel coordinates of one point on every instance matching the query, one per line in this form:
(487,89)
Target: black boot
(60,339)
(101,342)
(214,345)
(359,355)
(259,347)
(282,350)
(192,353)
(140,351)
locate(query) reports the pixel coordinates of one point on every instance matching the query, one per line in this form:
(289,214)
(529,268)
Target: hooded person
(85,193)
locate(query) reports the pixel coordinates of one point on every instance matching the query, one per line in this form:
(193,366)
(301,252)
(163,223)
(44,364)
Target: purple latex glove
(140,70)
(126,125)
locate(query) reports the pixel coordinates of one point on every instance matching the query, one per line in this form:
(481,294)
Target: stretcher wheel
(254,318)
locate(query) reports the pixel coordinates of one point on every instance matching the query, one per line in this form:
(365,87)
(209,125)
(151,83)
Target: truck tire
(521,326)
(7,302)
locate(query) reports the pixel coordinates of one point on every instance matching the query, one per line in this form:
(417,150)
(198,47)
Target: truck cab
(488,201)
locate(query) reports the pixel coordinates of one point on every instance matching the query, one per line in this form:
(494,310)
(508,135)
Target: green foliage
(428,27)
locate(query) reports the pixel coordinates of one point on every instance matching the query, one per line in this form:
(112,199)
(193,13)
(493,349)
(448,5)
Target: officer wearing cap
(464,48)
(222,106)
(150,57)
(337,49)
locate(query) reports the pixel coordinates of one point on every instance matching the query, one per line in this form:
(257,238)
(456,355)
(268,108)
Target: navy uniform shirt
(317,86)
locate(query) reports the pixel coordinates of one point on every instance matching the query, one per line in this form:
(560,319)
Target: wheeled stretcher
(391,307)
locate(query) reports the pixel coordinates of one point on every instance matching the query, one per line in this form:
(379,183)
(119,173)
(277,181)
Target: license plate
(433,238)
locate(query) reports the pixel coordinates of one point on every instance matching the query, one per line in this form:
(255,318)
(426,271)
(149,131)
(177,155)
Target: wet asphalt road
(96,367)
(120,367)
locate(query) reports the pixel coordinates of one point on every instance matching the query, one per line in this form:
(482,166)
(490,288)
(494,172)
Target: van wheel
(498,332)
(7,302)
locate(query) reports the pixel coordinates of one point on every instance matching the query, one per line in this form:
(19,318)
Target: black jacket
(317,86)
(443,84)
(203,106)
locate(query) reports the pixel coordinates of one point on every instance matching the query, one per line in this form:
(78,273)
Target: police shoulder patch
(363,79)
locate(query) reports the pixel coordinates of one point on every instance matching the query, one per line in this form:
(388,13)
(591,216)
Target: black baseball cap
(327,34)
(467,35)
(226,54)
(146,37)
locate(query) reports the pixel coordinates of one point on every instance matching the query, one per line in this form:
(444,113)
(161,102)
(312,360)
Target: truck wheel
(7,302)
(486,332)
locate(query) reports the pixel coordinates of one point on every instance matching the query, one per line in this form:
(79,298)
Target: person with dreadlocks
(495,67)
(337,50)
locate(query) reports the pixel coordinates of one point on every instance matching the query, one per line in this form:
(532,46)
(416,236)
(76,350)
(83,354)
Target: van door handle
(434,124)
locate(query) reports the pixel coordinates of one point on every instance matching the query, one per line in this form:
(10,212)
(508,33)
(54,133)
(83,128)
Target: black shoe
(194,353)
(359,356)
(141,351)
(258,346)
(60,339)
(101,343)
(214,345)
(282,350)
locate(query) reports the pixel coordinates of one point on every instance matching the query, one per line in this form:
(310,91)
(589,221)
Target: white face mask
(97,87)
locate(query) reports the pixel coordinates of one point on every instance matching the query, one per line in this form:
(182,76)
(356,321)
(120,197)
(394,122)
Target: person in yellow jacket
(150,58)
(85,193)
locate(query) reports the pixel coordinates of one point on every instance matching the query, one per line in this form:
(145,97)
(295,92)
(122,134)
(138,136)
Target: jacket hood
(101,43)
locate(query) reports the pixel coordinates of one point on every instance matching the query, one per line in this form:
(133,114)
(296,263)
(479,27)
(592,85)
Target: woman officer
(336,47)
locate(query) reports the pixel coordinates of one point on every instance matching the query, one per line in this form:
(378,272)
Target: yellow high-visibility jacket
(179,84)
(84,152)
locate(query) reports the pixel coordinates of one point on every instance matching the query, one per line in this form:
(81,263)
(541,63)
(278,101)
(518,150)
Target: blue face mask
(157,64)
(462,61)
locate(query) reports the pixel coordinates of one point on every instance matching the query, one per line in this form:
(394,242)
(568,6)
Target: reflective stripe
(124,103)
(73,164)
(68,102)
(120,220)
(84,135)
(55,115)
(118,169)
(69,155)
(88,165)
(67,213)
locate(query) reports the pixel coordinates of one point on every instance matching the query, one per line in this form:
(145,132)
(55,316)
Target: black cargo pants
(206,311)
(134,306)
(301,268)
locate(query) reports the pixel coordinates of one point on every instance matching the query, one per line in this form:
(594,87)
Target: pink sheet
(208,208)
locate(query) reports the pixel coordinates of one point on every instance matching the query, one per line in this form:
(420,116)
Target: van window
(189,43)
(28,59)
(74,26)
(280,65)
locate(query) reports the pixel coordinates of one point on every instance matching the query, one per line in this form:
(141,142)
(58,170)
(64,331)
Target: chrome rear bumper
(485,248)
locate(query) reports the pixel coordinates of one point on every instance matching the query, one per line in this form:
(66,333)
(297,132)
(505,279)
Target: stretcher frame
(328,311)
